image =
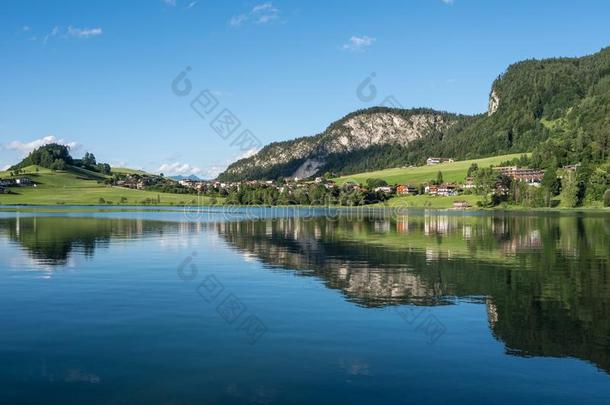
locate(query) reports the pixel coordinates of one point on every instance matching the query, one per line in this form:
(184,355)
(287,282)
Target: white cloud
(358,43)
(27,147)
(25,28)
(238,20)
(74,32)
(51,34)
(84,32)
(191,4)
(212,171)
(247,154)
(171,3)
(260,14)
(177,168)
(263,13)
(449,2)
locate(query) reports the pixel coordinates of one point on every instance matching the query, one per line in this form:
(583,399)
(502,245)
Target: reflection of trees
(52,240)
(545,279)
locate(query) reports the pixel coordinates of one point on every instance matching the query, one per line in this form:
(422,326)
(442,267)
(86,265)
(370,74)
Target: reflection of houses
(402,225)
(436,225)
(521,242)
(382,226)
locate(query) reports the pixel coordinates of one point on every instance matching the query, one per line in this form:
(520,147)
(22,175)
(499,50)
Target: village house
(571,168)
(437,160)
(406,190)
(447,190)
(469,184)
(384,189)
(530,176)
(444,190)
(330,184)
(23,181)
(3,190)
(431,189)
(351,186)
(7,183)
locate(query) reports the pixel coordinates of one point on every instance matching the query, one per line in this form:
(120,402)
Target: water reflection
(55,241)
(544,280)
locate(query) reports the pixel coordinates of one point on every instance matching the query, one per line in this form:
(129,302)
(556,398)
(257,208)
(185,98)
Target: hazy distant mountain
(179,177)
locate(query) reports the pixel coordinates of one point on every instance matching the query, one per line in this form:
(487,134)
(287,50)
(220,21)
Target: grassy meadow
(77,186)
(454,172)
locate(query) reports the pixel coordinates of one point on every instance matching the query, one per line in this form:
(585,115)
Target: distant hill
(559,109)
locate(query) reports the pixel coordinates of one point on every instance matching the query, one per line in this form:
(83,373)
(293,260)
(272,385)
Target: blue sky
(98,75)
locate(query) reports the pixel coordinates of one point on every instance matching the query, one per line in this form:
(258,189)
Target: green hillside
(557,108)
(83,187)
(452,172)
(125,170)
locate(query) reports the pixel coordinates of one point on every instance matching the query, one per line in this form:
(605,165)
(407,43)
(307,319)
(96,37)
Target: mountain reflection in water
(544,279)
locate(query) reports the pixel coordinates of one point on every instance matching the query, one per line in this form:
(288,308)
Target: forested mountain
(559,109)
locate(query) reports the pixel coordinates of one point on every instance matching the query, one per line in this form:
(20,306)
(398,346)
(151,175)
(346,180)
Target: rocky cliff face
(304,157)
(494,102)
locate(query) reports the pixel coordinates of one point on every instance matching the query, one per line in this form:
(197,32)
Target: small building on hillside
(437,160)
(23,181)
(469,184)
(571,168)
(447,190)
(328,184)
(406,190)
(530,176)
(431,189)
(383,189)
(3,190)
(7,183)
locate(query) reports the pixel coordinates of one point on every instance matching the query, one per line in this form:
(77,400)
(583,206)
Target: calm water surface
(280,307)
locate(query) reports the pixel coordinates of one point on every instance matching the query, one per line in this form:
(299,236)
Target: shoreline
(371,207)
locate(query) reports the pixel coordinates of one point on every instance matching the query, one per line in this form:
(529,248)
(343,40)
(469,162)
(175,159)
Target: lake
(292,306)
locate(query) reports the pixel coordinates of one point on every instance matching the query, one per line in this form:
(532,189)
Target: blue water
(163,307)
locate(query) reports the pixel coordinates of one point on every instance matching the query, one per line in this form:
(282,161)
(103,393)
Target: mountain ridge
(533,105)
